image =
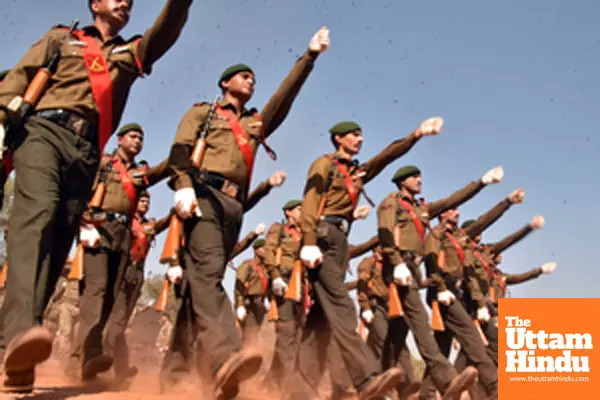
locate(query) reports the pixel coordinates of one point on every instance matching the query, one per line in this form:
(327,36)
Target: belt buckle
(77,125)
(229,188)
(343,225)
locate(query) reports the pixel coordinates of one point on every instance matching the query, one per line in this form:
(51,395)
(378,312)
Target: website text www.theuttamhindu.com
(531,379)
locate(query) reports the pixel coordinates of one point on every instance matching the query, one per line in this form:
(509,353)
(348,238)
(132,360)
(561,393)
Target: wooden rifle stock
(362,331)
(395,305)
(273,311)
(3,274)
(481,334)
(163,297)
(198,153)
(294,290)
(437,323)
(200,145)
(492,293)
(78,264)
(170,253)
(96,201)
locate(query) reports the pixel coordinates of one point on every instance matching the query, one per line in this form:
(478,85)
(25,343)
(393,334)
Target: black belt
(222,184)
(71,121)
(340,222)
(119,217)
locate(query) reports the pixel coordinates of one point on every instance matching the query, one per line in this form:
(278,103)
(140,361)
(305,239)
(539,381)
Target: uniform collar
(225,104)
(91,30)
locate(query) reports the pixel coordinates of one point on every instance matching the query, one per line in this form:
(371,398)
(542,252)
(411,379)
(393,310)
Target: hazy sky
(515,81)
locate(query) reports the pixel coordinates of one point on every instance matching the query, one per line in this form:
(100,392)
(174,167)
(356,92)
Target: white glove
(494,175)
(538,222)
(186,203)
(89,236)
(311,256)
(260,229)
(483,314)
(548,268)
(361,212)
(278,286)
(367,316)
(402,275)
(174,274)
(517,197)
(241,313)
(430,127)
(277,178)
(446,297)
(320,41)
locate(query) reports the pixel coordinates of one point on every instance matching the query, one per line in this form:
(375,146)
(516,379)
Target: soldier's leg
(311,357)
(252,322)
(115,341)
(55,172)
(378,329)
(442,372)
(444,341)
(490,330)
(459,322)
(177,360)
(286,343)
(396,354)
(339,308)
(102,273)
(210,241)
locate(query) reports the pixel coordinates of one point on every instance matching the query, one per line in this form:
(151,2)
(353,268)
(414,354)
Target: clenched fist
(277,179)
(494,175)
(517,197)
(430,127)
(537,222)
(320,41)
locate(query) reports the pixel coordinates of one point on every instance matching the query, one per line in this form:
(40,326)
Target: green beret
(144,193)
(291,204)
(233,70)
(130,127)
(341,128)
(467,223)
(3,74)
(405,172)
(258,243)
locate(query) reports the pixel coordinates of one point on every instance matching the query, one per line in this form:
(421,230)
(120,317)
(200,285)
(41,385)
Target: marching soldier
(331,195)
(251,288)
(216,189)
(402,225)
(445,265)
(287,238)
(57,152)
(177,359)
(144,232)
(108,247)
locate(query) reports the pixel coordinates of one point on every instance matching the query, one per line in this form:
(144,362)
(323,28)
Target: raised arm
(162,35)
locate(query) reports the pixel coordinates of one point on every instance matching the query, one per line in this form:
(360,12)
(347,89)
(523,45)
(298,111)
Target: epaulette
(60,26)
(201,104)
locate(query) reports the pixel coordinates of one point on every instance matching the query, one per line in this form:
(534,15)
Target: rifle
(328,181)
(170,255)
(200,146)
(395,305)
(77,266)
(3,274)
(96,201)
(22,107)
